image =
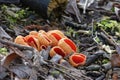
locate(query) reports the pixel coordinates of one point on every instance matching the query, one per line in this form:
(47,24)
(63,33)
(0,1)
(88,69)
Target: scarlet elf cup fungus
(77,59)
(67,45)
(43,32)
(55,36)
(57,32)
(35,33)
(43,47)
(20,40)
(44,40)
(42,37)
(32,41)
(57,50)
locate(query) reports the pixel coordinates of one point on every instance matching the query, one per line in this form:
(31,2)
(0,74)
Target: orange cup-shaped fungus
(57,50)
(35,33)
(43,32)
(44,40)
(67,45)
(32,41)
(77,59)
(43,47)
(20,40)
(55,36)
(57,31)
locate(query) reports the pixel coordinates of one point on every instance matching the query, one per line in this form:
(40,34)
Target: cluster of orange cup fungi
(57,40)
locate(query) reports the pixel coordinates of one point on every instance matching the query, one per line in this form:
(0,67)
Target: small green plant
(71,32)
(3,51)
(104,61)
(109,25)
(14,16)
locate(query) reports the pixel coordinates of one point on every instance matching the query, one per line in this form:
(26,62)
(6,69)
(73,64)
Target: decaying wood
(3,34)
(71,72)
(9,43)
(108,37)
(110,40)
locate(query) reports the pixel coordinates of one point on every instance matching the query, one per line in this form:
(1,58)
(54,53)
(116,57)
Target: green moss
(13,15)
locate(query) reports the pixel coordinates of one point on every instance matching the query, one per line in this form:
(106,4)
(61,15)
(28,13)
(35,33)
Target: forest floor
(97,36)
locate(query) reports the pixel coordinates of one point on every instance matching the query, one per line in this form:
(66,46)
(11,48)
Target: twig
(9,43)
(68,74)
(73,70)
(105,12)
(90,49)
(107,38)
(110,40)
(83,31)
(69,70)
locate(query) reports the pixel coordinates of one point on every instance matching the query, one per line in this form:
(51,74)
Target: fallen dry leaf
(115,60)
(9,58)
